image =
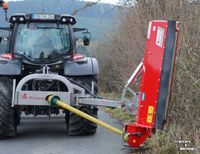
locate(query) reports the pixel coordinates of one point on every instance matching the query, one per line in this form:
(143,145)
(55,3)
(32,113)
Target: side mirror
(86,38)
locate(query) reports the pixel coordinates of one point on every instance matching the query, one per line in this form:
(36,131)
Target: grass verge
(163,141)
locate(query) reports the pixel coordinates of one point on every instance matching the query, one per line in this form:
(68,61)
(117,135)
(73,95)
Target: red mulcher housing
(156,80)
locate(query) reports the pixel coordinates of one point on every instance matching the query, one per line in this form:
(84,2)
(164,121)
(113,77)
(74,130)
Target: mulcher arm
(151,102)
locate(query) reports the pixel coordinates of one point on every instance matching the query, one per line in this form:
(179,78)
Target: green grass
(120,114)
(117,113)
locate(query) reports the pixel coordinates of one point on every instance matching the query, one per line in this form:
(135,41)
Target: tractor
(40,58)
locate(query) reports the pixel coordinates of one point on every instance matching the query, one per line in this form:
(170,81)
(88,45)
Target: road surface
(44,136)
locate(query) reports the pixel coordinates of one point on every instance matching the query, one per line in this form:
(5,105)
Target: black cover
(166,75)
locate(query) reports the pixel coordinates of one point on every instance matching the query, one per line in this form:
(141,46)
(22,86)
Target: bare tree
(89,4)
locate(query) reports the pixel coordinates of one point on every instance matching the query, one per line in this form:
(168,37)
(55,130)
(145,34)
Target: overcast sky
(103,1)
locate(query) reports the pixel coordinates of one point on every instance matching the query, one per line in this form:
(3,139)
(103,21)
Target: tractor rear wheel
(17,116)
(81,126)
(8,126)
(76,124)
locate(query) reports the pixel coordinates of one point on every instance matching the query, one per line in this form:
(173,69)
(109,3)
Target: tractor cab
(42,38)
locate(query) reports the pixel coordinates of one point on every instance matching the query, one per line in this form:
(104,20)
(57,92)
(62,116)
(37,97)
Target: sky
(103,1)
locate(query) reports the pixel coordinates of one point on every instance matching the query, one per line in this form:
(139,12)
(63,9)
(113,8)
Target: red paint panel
(151,73)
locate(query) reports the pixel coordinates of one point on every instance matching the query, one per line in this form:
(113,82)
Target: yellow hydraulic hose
(54,100)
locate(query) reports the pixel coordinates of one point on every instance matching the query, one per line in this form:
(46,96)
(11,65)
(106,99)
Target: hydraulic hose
(55,100)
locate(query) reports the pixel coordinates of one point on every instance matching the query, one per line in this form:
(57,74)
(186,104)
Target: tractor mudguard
(10,67)
(90,67)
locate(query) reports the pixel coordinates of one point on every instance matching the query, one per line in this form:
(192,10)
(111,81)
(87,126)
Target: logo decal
(24,96)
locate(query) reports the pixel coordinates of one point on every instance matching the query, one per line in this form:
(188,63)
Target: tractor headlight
(18,19)
(64,20)
(67,19)
(21,19)
(13,19)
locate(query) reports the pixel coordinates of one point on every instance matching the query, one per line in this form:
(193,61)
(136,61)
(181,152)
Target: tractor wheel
(81,126)
(8,126)
(17,116)
(78,125)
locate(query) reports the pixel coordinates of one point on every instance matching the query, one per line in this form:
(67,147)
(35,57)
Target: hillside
(90,18)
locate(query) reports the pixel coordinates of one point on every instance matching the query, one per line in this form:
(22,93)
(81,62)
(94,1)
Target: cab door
(4,39)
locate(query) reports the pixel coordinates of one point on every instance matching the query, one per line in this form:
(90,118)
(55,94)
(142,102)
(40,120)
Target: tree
(89,4)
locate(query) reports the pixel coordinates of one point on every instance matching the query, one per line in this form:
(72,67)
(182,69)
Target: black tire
(17,116)
(81,126)
(8,126)
(76,124)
